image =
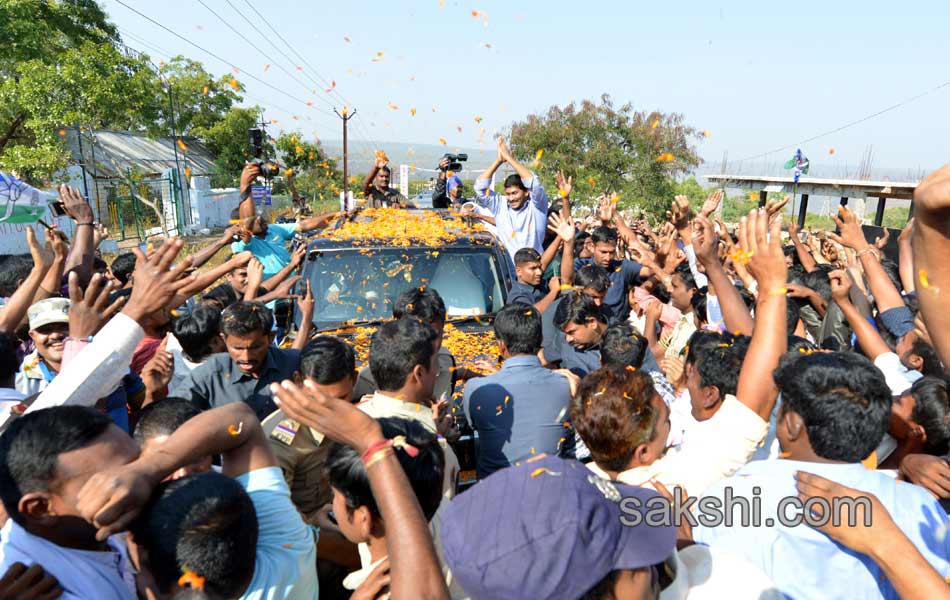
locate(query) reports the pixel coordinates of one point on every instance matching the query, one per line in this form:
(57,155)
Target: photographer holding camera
(448,190)
(376,187)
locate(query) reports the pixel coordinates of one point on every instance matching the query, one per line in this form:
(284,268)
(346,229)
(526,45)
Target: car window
(362,284)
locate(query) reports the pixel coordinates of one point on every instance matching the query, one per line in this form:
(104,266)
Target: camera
(455,161)
(269,168)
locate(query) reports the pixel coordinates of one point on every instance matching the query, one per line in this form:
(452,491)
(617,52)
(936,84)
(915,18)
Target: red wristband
(375,447)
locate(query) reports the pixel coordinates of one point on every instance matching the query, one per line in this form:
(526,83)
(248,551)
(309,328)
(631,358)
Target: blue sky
(756,75)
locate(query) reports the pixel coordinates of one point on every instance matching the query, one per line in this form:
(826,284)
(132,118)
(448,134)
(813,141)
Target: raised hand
(379,579)
(300,253)
(255,275)
(711,203)
(907,232)
(761,244)
(679,216)
(564,186)
(564,228)
(76,206)
(338,420)
(42,257)
(606,209)
(851,236)
(306,305)
(867,531)
(111,498)
(881,241)
(157,282)
(90,309)
(774,207)
(705,240)
(504,154)
(283,288)
(99,234)
(381,159)
(840,285)
(248,175)
(157,372)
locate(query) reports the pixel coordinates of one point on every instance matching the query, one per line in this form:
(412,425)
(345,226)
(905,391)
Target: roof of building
(106,150)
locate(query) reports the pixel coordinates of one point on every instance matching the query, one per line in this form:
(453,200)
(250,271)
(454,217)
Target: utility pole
(346,173)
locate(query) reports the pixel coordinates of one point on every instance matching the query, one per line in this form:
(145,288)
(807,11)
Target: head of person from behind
(424,304)
(246,328)
(46,457)
(331,364)
(158,421)
(528,266)
(204,523)
(518,330)
(621,418)
(835,407)
(604,246)
(581,320)
(403,358)
(515,192)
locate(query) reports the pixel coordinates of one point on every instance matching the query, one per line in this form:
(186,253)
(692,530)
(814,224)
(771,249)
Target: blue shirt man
(520,410)
(269,246)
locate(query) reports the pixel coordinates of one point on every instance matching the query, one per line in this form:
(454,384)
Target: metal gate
(131,219)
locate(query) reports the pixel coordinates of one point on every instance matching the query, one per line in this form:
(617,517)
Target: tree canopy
(636,154)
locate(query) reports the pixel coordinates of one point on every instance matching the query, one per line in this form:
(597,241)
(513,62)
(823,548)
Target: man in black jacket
(448,190)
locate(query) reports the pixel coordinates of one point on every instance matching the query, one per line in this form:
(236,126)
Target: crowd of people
(163,437)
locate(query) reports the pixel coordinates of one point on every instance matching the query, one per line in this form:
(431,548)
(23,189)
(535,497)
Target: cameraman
(448,190)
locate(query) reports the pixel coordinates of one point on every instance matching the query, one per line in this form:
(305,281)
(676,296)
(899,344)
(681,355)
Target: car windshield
(361,284)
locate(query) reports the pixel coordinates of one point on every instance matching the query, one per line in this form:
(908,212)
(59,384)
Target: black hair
(932,412)
(224,295)
(204,522)
(719,365)
(244,318)
(819,281)
(327,360)
(385,168)
(799,345)
(592,276)
(514,180)
(423,303)
(622,346)
(9,363)
(842,398)
(686,275)
(163,418)
(698,302)
(526,255)
(122,267)
(604,235)
(519,327)
(31,445)
(13,270)
(577,307)
(397,348)
(931,361)
(347,473)
(703,341)
(236,214)
(98,264)
(196,330)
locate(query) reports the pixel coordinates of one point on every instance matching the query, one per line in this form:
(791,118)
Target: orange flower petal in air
(665,157)
(267,66)
(478,119)
(191,579)
(187,172)
(539,154)
(476,14)
(412,111)
(346,39)
(488,46)
(234,84)
(182,145)
(205,90)
(393,106)
(442,141)
(655,124)
(236,70)
(831,151)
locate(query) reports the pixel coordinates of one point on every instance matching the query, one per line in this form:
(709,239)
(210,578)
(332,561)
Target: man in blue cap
(448,188)
(549,528)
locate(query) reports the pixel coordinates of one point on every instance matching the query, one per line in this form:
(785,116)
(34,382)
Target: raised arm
(112,498)
(875,535)
(271,283)
(206,278)
(804,255)
(761,244)
(248,175)
(378,163)
(204,255)
(886,296)
(415,567)
(868,338)
(306,306)
(13,312)
(735,314)
(52,283)
(931,242)
(906,257)
(522,171)
(83,249)
(319,221)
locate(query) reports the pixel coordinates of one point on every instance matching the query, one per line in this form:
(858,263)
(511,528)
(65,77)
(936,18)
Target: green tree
(636,154)
(314,173)
(200,100)
(228,140)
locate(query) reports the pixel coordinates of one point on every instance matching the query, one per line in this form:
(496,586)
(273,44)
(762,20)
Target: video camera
(455,161)
(269,168)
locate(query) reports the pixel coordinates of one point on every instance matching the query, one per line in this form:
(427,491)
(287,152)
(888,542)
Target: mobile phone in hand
(57,209)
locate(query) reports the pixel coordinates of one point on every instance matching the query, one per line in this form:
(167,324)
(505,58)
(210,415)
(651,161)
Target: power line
(225,61)
(852,123)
